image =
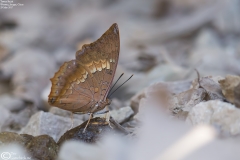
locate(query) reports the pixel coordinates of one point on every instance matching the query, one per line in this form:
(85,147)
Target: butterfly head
(108,101)
(105,103)
(102,104)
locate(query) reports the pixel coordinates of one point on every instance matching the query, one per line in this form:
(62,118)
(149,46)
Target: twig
(118,126)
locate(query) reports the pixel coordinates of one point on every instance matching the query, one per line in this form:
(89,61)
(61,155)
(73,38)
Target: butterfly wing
(101,58)
(69,88)
(80,84)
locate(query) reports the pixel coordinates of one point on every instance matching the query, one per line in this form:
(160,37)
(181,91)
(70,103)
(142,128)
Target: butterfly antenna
(120,85)
(116,82)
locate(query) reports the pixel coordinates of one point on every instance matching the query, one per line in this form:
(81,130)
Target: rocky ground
(182,102)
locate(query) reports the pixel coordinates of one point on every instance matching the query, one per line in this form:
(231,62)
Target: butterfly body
(82,85)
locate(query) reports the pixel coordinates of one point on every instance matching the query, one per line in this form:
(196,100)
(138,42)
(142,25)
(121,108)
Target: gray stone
(223,116)
(67,114)
(59,112)
(48,123)
(182,103)
(18,120)
(4,116)
(115,104)
(122,114)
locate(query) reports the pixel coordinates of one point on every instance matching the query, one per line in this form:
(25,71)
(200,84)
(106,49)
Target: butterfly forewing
(101,57)
(80,84)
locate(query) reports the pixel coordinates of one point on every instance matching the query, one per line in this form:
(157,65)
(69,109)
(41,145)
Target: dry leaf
(228,86)
(203,89)
(212,88)
(183,102)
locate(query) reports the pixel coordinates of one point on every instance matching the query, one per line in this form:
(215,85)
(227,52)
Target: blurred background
(161,40)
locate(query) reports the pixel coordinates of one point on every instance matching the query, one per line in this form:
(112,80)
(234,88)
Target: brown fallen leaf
(183,102)
(202,89)
(228,86)
(213,89)
(211,86)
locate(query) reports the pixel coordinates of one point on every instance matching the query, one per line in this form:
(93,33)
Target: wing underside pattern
(80,84)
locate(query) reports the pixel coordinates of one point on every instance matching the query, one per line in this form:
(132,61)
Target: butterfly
(82,85)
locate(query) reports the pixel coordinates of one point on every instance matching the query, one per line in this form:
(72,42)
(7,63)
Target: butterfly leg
(107,117)
(90,117)
(71,120)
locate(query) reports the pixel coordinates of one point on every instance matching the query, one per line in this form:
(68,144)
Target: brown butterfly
(82,85)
